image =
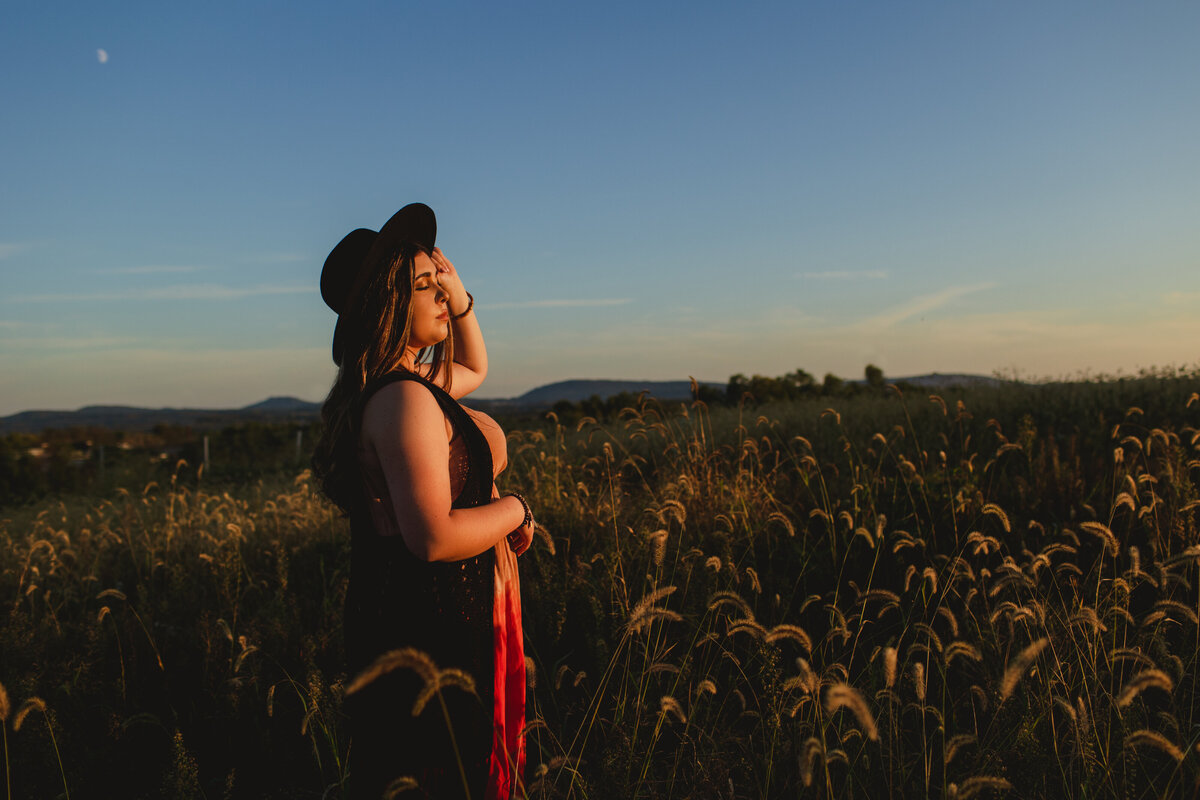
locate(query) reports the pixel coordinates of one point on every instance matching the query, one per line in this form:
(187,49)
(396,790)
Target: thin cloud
(845,275)
(922,305)
(102,55)
(603,301)
(183,292)
(149,269)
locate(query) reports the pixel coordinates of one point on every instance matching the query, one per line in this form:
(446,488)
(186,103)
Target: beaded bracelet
(525,505)
(467,310)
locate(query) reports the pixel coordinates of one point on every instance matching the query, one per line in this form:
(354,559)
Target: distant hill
(577,390)
(132,418)
(291,409)
(285,404)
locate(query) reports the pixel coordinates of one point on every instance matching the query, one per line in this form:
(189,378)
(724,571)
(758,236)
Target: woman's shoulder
(399,394)
(401,401)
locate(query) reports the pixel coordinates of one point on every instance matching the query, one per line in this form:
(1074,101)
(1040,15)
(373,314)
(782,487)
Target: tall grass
(898,595)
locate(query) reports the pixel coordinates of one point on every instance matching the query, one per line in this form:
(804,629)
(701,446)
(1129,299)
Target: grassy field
(989,593)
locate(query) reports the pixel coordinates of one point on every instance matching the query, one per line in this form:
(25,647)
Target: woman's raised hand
(448,279)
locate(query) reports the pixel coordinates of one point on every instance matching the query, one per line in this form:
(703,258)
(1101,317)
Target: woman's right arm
(405,426)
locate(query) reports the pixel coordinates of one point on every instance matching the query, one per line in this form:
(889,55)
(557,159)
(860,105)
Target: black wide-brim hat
(349,263)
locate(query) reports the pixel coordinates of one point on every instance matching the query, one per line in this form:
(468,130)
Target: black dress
(444,609)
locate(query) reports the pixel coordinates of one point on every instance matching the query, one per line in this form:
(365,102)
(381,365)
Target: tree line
(799,384)
(796,385)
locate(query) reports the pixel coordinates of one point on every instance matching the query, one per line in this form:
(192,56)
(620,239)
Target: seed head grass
(870,595)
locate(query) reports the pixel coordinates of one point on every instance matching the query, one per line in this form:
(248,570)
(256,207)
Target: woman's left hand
(520,539)
(448,279)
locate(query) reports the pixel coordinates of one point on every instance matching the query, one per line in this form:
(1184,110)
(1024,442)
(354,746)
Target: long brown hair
(377,328)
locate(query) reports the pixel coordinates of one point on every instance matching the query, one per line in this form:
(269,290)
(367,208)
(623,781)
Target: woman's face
(431,315)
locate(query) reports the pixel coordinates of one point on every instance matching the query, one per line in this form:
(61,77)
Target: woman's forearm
(469,349)
(465,532)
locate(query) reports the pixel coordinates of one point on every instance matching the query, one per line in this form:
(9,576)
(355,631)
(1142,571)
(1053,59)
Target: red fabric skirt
(507,763)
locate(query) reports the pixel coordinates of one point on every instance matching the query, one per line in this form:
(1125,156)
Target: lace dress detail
(463,614)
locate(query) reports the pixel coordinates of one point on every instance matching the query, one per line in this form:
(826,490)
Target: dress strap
(477,489)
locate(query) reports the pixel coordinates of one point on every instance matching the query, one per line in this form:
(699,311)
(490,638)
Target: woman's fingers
(528,538)
(440,261)
(521,539)
(447,278)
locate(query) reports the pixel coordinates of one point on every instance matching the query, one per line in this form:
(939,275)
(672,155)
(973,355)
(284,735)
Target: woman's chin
(431,340)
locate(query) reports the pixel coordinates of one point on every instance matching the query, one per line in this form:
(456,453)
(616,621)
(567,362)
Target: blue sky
(630,190)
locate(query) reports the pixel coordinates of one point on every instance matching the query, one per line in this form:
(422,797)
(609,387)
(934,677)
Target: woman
(434,546)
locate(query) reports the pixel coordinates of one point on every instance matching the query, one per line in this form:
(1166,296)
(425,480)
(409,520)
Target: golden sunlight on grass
(904,596)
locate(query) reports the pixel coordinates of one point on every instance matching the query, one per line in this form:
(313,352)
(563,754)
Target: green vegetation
(798,385)
(60,463)
(984,591)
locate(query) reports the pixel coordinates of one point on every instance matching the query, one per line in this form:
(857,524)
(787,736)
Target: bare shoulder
(401,407)
(400,398)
